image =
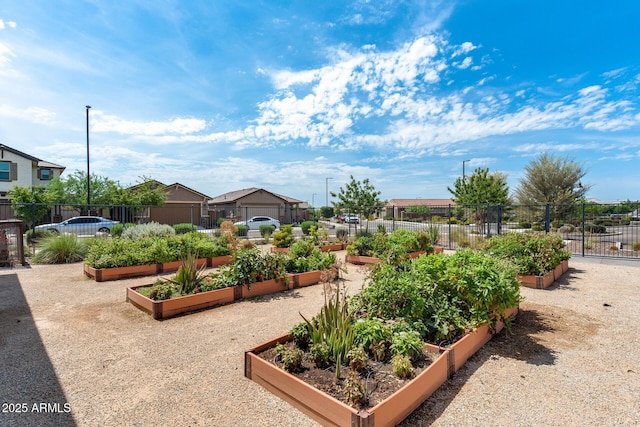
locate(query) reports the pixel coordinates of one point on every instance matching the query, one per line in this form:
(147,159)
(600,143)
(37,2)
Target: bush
(401,366)
(266,230)
(595,229)
(118,229)
(306,226)
(342,234)
(151,229)
(566,228)
(63,248)
(283,238)
(243,230)
(35,235)
(184,228)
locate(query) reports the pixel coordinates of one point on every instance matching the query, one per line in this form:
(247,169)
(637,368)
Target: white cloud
(101,122)
(7,24)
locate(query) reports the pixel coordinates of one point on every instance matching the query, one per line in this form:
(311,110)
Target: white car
(255,222)
(80,225)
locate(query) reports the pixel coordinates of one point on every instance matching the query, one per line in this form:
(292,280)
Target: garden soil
(73,352)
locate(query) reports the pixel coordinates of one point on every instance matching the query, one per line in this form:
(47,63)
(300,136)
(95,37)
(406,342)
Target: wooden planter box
(331,412)
(331,247)
(174,306)
(115,273)
(282,250)
(360,259)
(301,280)
(178,305)
(543,282)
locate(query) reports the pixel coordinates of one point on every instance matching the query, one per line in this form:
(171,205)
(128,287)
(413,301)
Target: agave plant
(189,276)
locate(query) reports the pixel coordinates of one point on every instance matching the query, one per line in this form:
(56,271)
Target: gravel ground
(73,352)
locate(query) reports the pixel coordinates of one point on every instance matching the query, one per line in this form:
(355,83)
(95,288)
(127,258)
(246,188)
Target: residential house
(397,208)
(243,204)
(183,205)
(23,170)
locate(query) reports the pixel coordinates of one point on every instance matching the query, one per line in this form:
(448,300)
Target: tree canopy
(551,179)
(29,203)
(359,197)
(481,187)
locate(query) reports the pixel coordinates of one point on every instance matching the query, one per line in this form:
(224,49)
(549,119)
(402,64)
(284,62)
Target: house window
(5,171)
(45,174)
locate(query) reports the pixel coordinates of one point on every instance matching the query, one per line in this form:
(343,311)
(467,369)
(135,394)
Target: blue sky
(221,96)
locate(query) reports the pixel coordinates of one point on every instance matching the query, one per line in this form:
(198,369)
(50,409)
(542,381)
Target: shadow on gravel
(29,388)
(519,343)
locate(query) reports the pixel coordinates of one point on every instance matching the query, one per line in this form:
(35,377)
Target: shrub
(373,334)
(524,224)
(151,229)
(283,238)
(184,228)
(401,366)
(342,234)
(161,291)
(63,248)
(300,334)
(381,229)
(35,235)
(320,354)
(306,226)
(595,229)
(357,358)
(537,227)
(566,228)
(408,344)
(266,230)
(242,230)
(354,390)
(118,229)
(291,358)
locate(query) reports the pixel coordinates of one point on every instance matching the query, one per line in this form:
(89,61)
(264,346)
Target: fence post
(33,215)
(499,219)
(191,214)
(488,220)
(449,225)
(583,227)
(547,217)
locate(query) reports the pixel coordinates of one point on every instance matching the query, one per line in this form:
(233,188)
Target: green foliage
(243,230)
(266,230)
(358,358)
(361,196)
(402,366)
(123,252)
(428,237)
(524,223)
(354,390)
(595,229)
(393,247)
(419,209)
(189,276)
(250,266)
(33,236)
(161,291)
(533,253)
(551,179)
(118,229)
(304,256)
(184,228)
(326,211)
(334,327)
(480,188)
(283,238)
(59,249)
(342,234)
(151,229)
(320,354)
(407,343)
(306,226)
(300,335)
(373,335)
(29,204)
(291,358)
(440,296)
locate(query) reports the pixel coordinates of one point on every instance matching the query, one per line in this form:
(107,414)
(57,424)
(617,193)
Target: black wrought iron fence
(588,229)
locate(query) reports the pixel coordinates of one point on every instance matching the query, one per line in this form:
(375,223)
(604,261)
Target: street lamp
(88,172)
(313,200)
(463,162)
(326,184)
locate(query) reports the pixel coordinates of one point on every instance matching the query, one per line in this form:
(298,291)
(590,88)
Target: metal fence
(588,229)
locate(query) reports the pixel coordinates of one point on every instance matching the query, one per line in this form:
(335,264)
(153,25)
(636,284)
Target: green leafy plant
(151,229)
(60,249)
(358,358)
(184,228)
(373,335)
(334,327)
(161,291)
(266,230)
(300,335)
(291,359)
(354,390)
(402,366)
(283,238)
(306,226)
(189,276)
(342,234)
(242,230)
(408,344)
(33,236)
(320,354)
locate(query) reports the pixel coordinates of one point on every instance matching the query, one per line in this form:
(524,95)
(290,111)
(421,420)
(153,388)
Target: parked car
(351,219)
(255,222)
(80,225)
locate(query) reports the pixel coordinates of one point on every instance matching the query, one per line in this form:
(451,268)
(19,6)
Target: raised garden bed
(329,411)
(116,273)
(546,280)
(174,306)
(360,259)
(324,248)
